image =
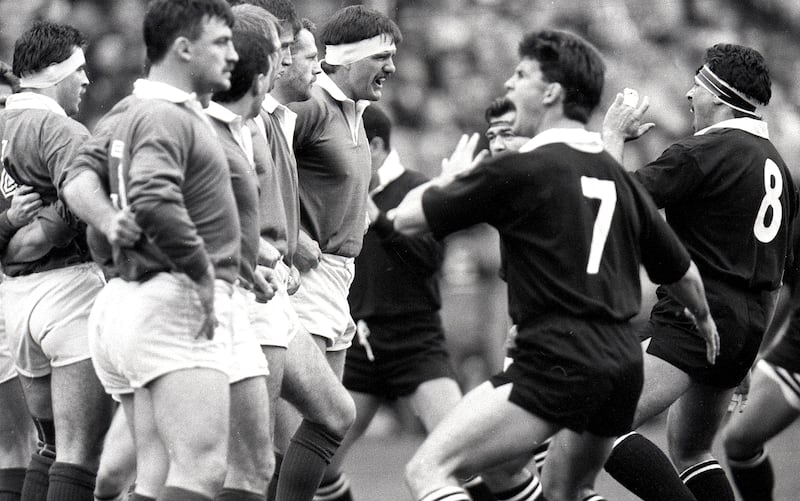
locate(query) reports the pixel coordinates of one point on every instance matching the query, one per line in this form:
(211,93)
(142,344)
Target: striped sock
(447,493)
(753,477)
(336,489)
(477,489)
(708,482)
(529,490)
(540,453)
(594,497)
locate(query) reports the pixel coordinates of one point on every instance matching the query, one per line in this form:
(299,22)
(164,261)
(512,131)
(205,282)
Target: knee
(737,444)
(557,489)
(344,414)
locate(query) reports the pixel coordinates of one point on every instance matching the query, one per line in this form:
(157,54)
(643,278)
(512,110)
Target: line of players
(201,261)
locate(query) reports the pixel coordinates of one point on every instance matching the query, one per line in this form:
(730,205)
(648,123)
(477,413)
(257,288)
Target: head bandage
(347,53)
(54,73)
(731,97)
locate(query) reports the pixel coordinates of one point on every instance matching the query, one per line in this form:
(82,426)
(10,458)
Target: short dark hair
(166,20)
(254,19)
(43,44)
(741,67)
(571,61)
(499,107)
(282,9)
(355,23)
(378,124)
(7,77)
(254,51)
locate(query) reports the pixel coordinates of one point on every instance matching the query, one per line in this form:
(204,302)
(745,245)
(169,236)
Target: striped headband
(53,74)
(347,53)
(731,97)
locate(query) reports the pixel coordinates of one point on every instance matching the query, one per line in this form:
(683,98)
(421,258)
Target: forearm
(614,144)
(408,217)
(87,199)
(690,292)
(28,244)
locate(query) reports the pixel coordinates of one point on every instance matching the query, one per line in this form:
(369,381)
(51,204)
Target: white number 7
(605,191)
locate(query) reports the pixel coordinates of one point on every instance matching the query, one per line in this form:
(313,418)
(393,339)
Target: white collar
(325,82)
(270,104)
(390,169)
(750,125)
(224,115)
(576,138)
(150,89)
(33,101)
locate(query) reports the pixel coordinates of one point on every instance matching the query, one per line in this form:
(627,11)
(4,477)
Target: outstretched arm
(690,292)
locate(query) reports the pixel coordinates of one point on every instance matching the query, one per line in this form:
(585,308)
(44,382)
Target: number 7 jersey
(729,196)
(574,227)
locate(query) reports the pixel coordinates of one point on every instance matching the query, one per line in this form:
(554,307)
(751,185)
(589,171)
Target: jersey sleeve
(474,197)
(671,177)
(62,146)
(663,255)
(156,176)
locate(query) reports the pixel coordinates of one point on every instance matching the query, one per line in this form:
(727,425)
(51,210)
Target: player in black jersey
(574,228)
(730,198)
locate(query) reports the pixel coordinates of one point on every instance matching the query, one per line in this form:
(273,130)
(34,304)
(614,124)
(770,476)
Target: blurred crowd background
(454,59)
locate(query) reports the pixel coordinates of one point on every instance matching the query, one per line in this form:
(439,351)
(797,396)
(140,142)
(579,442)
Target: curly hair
(741,67)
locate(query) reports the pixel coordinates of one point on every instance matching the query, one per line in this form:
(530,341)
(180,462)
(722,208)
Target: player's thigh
(484,429)
(37,396)
(16,429)
(663,384)
(366,407)
(573,461)
(693,421)
(191,412)
(82,412)
(310,384)
(766,414)
(433,399)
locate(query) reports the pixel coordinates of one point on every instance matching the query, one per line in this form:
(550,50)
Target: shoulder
(314,106)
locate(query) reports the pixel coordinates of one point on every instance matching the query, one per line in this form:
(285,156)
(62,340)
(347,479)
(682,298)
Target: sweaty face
(70,90)
(366,77)
(302,74)
(501,134)
(212,57)
(526,89)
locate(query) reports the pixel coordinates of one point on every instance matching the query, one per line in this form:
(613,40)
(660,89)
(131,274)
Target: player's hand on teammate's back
(25,204)
(266,283)
(308,253)
(463,158)
(123,229)
(205,291)
(624,117)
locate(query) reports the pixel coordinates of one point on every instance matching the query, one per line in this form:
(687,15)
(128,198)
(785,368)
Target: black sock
(334,489)
(478,490)
(642,468)
(272,488)
(753,477)
(227,494)
(309,453)
(529,490)
(37,478)
(11,481)
(170,493)
(708,482)
(140,497)
(449,493)
(71,482)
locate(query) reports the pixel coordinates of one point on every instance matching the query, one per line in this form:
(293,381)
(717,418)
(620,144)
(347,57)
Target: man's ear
(182,47)
(377,144)
(553,93)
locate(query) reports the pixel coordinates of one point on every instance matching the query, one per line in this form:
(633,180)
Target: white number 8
(773,187)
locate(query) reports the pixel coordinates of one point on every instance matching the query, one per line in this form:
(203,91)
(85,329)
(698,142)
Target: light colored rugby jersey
(38,142)
(334,168)
(175,177)
(280,203)
(244,182)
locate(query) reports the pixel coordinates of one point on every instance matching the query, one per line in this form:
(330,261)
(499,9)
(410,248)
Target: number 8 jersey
(574,227)
(730,197)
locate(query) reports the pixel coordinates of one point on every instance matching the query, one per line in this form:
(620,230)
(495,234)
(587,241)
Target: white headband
(54,73)
(347,53)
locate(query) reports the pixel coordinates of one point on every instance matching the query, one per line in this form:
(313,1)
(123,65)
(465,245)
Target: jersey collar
(750,125)
(33,101)
(576,138)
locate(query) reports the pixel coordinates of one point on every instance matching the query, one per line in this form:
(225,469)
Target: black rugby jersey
(729,196)
(573,225)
